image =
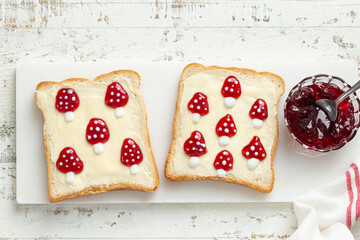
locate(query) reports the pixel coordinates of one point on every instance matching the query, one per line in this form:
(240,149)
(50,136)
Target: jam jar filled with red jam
(309,125)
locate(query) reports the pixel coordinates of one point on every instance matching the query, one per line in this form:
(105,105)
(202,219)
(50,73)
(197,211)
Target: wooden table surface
(94,30)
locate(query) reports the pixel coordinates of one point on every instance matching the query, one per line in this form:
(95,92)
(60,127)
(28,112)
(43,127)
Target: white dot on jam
(66,97)
(247,153)
(118,100)
(104,130)
(125,154)
(226,130)
(97,129)
(123,97)
(60,163)
(111,100)
(191,106)
(133,146)
(138,157)
(64,91)
(91,128)
(95,136)
(73,98)
(112,93)
(130,150)
(226,88)
(195,101)
(66,160)
(63,156)
(74,163)
(225,124)
(256,153)
(71,157)
(102,135)
(138,152)
(68,151)
(256,143)
(118,94)
(96,122)
(252,148)
(224,162)
(61,103)
(198,107)
(220,128)
(263,155)
(126,146)
(89,137)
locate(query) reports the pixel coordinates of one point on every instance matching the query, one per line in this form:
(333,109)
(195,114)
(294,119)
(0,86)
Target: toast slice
(85,158)
(202,87)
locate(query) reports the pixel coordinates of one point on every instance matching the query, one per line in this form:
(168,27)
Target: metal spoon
(330,106)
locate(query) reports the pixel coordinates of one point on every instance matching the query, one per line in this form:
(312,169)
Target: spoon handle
(348,92)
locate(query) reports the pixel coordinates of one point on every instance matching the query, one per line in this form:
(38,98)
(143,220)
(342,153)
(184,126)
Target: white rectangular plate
(294,173)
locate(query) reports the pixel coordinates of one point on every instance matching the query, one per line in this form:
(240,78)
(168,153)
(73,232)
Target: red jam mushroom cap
(223,162)
(116,97)
(258,112)
(231,90)
(195,146)
(199,106)
(254,152)
(97,133)
(69,163)
(225,129)
(67,101)
(131,155)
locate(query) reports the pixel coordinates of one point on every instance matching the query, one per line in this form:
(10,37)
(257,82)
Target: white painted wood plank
(69,14)
(191,30)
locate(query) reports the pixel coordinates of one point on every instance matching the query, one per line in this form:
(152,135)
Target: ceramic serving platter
(294,173)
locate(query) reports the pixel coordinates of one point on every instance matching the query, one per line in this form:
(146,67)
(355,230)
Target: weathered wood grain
(93,30)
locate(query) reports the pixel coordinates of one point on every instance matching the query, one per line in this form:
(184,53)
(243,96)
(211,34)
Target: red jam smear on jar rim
(310,124)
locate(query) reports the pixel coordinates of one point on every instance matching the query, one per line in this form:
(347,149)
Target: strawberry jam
(310,124)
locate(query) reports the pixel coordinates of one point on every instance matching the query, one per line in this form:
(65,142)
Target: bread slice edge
(135,78)
(194,68)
